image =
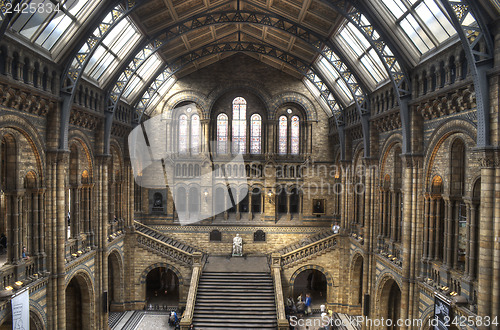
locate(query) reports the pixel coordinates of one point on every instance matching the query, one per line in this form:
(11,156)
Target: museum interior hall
(249,164)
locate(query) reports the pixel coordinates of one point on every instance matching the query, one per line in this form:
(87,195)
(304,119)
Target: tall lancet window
(239,125)
(295,134)
(222,123)
(255,131)
(195,134)
(183,134)
(282,135)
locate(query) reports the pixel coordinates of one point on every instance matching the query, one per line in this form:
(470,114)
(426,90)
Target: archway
(313,282)
(78,304)
(162,288)
(36,322)
(357,281)
(390,302)
(115,282)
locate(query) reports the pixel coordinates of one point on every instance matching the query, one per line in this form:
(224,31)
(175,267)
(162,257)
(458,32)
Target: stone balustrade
(314,248)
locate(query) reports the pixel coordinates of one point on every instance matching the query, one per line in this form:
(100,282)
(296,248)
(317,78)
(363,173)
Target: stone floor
(237,264)
(153,321)
(140,320)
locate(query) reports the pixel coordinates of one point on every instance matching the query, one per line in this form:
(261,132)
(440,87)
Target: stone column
(35,251)
(61,222)
(455,228)
(425,253)
(393,216)
(469,247)
(472,243)
(432,228)
(448,234)
(486,236)
(437,220)
(16,227)
(42,229)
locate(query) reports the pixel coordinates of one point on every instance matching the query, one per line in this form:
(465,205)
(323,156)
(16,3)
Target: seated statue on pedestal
(237,245)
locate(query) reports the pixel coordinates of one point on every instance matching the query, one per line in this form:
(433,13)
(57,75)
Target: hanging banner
(21,311)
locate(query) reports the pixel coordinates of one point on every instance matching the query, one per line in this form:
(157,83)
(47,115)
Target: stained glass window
(255,138)
(222,133)
(282,135)
(239,125)
(183,134)
(295,134)
(195,134)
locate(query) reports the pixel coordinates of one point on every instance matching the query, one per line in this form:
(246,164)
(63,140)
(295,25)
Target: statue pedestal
(237,255)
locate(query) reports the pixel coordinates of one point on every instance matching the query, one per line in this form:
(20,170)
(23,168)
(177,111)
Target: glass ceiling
(141,77)
(423,22)
(357,47)
(113,50)
(334,80)
(58,17)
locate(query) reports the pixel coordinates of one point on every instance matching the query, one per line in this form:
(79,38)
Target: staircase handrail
(302,241)
(187,317)
(308,250)
(278,292)
(139,224)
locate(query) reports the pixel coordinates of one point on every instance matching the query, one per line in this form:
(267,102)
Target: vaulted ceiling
(160,15)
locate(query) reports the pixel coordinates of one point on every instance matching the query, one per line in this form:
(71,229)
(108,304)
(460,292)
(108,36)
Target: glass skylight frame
(141,77)
(115,48)
(426,18)
(50,28)
(356,46)
(334,80)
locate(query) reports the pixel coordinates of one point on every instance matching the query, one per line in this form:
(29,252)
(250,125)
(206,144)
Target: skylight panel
(143,75)
(335,81)
(423,22)
(162,91)
(317,95)
(355,43)
(46,22)
(114,48)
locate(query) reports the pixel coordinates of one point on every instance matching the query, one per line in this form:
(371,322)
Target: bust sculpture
(237,245)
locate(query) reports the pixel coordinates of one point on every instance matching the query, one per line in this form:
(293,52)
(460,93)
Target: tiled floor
(152,321)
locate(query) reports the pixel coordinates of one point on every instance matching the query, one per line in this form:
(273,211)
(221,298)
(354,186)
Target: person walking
(308,304)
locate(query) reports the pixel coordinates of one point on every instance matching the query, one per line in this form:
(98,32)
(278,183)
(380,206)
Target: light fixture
(205,193)
(270,195)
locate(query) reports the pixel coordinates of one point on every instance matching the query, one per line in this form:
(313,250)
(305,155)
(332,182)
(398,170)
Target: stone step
(234,321)
(241,300)
(235,286)
(230,309)
(234,300)
(210,325)
(249,304)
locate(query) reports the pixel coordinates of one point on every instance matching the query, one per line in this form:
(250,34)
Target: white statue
(237,245)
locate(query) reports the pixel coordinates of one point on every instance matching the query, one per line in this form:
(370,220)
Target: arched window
(195,134)
(239,125)
(183,134)
(222,122)
(282,135)
(255,131)
(294,137)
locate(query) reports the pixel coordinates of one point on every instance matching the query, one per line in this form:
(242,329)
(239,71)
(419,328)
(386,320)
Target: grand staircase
(235,300)
(306,241)
(161,237)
